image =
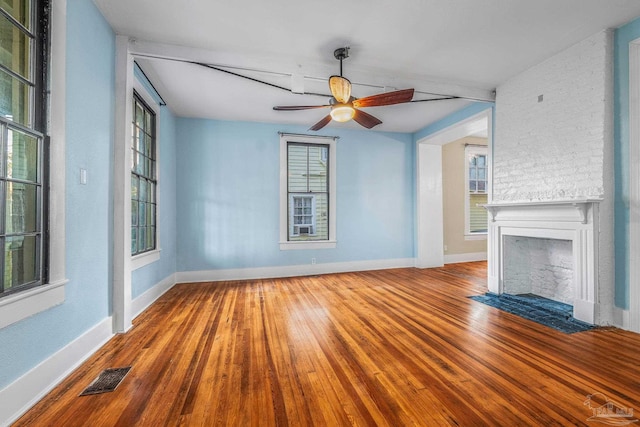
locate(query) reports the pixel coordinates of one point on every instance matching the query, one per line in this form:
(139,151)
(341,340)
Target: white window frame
(330,141)
(146,258)
(473,150)
(21,305)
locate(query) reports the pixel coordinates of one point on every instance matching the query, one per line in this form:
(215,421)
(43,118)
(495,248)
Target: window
(302,215)
(308,188)
(476,172)
(307,192)
(143,178)
(23,150)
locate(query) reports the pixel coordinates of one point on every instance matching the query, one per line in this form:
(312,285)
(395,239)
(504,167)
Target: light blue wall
(228,198)
(623,36)
(89,130)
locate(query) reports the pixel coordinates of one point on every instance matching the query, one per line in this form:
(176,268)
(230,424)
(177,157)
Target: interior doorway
(430,221)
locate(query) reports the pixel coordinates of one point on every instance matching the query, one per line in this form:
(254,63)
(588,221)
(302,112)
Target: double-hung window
(476,172)
(143,178)
(307,192)
(23,144)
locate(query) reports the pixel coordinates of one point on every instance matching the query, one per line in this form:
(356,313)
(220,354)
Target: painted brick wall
(554,149)
(562,147)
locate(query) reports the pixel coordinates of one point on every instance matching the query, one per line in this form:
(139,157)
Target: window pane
(135,182)
(15,48)
(151,188)
(482,160)
(139,164)
(143,190)
(20,261)
(150,238)
(139,115)
(472,160)
(472,173)
(147,145)
(142,213)
(142,239)
(322,217)
(149,214)
(152,208)
(482,186)
(22,156)
(134,212)
(477,214)
(134,240)
(20,10)
(472,186)
(22,208)
(14,99)
(482,174)
(297,164)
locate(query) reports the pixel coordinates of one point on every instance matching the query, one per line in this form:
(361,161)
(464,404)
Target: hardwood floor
(381,348)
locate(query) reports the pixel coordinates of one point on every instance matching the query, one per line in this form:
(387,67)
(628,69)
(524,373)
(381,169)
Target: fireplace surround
(571,220)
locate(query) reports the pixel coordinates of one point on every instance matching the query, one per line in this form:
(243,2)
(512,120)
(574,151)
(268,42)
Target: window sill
(476,236)
(146,258)
(325,244)
(24,304)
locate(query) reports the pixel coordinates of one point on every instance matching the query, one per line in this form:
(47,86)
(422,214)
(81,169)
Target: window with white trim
(143,178)
(23,144)
(307,192)
(476,175)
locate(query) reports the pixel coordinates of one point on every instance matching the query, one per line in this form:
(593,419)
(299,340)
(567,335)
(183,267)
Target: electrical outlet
(313,261)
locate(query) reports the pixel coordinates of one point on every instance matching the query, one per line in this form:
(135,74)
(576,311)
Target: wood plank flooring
(380,348)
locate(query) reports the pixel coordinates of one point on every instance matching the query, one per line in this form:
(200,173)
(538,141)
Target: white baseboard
(27,390)
(291,270)
(621,318)
(147,298)
(470,257)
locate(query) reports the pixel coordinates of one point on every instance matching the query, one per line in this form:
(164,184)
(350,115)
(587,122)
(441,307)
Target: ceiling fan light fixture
(342,112)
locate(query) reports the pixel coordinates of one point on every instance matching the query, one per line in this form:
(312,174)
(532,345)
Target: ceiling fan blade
(366,119)
(322,123)
(389,98)
(298,107)
(340,88)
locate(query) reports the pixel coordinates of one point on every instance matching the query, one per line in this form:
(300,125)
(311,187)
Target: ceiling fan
(345,107)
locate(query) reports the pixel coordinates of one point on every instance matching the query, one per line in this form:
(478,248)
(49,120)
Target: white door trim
(430,226)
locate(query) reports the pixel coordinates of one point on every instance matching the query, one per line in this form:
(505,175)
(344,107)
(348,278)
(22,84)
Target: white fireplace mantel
(562,210)
(574,220)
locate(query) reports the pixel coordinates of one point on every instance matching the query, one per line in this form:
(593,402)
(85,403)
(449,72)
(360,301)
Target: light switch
(83,176)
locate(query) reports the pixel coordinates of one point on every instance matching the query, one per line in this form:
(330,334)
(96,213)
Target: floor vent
(107,381)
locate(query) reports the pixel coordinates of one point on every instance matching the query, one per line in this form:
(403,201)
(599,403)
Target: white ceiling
(455,47)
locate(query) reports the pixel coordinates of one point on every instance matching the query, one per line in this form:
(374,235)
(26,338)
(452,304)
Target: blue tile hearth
(547,312)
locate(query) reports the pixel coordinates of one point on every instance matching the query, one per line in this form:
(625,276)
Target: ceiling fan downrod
(340,54)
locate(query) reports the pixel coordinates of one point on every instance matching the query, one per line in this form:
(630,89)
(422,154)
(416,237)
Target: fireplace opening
(539,266)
